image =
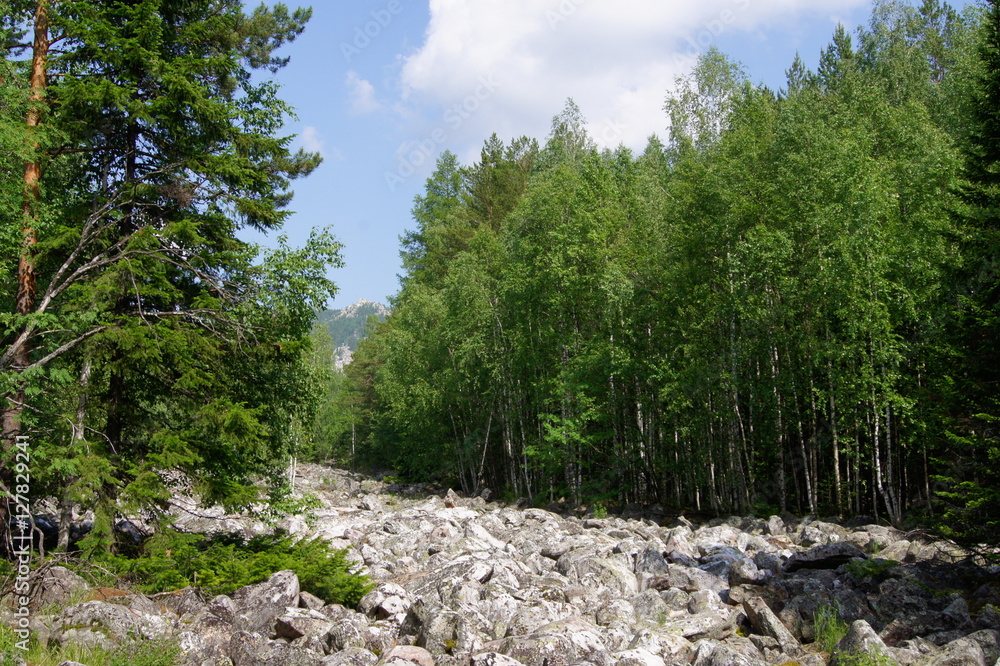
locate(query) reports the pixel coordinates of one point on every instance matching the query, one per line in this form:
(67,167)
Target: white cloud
(312,141)
(616,59)
(362,95)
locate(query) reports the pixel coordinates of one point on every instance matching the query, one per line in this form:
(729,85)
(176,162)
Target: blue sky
(382,87)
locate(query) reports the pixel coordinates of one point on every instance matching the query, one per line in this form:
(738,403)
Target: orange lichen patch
(102,593)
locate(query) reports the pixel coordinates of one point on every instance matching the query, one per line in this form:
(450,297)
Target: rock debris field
(466,582)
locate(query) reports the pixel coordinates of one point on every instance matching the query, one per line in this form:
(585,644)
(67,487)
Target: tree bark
(26,271)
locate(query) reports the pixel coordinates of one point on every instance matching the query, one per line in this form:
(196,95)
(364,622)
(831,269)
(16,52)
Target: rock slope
(465,582)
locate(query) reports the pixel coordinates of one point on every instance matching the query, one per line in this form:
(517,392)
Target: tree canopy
(756,315)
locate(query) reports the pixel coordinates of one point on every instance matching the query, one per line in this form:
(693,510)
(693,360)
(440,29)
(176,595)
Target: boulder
(257,606)
(961,652)
(386,601)
(250,649)
(860,639)
(766,623)
(745,572)
(59,586)
(408,654)
(714,653)
(102,624)
(298,622)
(351,656)
(637,657)
(829,556)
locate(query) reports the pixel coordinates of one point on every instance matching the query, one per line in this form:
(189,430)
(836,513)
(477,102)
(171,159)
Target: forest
(789,304)
(145,345)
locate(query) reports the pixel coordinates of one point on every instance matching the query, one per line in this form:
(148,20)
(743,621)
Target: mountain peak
(348,325)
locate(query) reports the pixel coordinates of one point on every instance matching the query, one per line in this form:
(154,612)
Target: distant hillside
(347,327)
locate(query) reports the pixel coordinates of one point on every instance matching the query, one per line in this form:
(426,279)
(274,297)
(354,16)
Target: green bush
(223,563)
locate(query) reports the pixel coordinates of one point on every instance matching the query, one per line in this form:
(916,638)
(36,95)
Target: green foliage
(159,340)
(829,627)
(142,653)
(870,568)
(222,563)
(788,304)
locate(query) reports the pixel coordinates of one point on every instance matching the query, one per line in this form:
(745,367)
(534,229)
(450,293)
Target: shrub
(870,568)
(223,563)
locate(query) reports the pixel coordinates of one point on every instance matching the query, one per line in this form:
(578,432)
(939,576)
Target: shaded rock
(59,585)
(766,623)
(387,600)
(298,622)
(714,653)
(250,649)
(258,605)
(823,557)
(350,657)
(651,561)
(988,618)
(766,561)
(962,652)
(989,640)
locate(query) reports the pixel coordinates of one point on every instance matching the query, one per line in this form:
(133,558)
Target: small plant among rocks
(829,627)
(145,653)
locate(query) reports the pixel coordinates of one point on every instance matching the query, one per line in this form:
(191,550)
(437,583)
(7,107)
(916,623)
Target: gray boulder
(860,639)
(350,657)
(59,586)
(766,623)
(102,624)
(828,556)
(250,649)
(257,606)
(745,572)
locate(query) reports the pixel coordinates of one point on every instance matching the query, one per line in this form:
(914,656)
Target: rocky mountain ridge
(347,327)
(468,582)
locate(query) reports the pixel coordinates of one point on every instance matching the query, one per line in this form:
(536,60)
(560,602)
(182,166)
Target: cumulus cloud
(361,94)
(616,59)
